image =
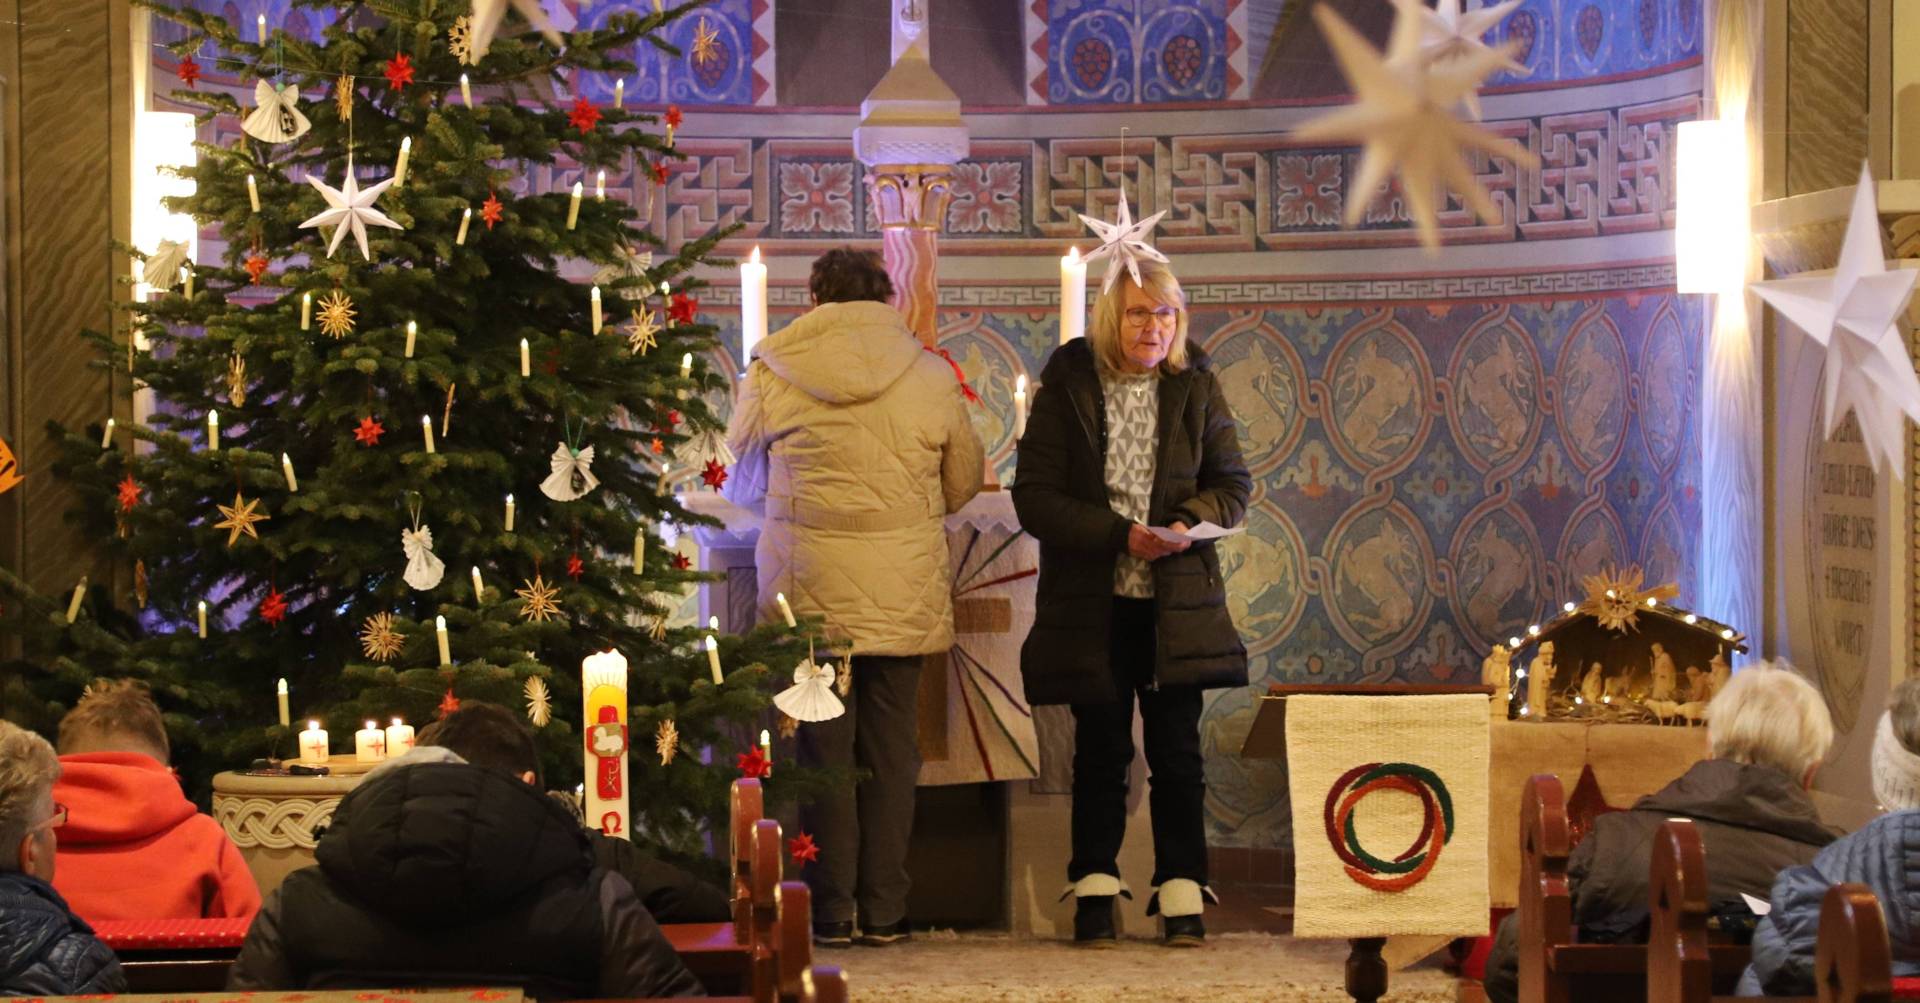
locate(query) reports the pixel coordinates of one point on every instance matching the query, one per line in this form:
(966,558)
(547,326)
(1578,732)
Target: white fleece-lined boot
(1179,903)
(1093,923)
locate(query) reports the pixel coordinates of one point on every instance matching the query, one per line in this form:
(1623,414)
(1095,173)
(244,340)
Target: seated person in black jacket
(45,950)
(491,735)
(437,872)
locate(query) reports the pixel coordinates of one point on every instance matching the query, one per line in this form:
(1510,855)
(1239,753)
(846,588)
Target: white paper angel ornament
(423,569)
(572,475)
(810,698)
(276,116)
(162,269)
(707,445)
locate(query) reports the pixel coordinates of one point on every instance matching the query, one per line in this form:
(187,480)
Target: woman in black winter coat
(1129,430)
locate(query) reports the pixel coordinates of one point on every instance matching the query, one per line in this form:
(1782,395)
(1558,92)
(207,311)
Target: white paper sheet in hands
(423,569)
(572,474)
(811,697)
(1196,534)
(276,116)
(1759,907)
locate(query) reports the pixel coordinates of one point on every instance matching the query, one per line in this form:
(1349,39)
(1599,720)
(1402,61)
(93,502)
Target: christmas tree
(389,382)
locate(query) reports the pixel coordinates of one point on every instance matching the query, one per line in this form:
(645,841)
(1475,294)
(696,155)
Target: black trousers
(1103,754)
(863,833)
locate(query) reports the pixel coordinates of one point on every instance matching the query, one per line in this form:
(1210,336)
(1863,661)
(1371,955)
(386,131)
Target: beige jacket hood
(856,443)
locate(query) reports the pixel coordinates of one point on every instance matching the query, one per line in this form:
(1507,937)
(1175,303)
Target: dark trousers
(863,833)
(1103,753)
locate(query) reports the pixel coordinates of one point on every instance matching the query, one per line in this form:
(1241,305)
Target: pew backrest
(1679,960)
(1545,904)
(793,906)
(1853,962)
(745,807)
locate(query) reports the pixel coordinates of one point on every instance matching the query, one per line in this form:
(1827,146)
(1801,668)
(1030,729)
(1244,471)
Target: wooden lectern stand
(1366,970)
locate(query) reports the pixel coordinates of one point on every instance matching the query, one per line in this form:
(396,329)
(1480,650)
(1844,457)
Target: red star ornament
(399,71)
(273,608)
(449,703)
(490,211)
(673,116)
(715,474)
(584,115)
(681,562)
(659,447)
(682,308)
(188,70)
(660,173)
(753,763)
(256,267)
(129,494)
(803,849)
(369,431)
(575,566)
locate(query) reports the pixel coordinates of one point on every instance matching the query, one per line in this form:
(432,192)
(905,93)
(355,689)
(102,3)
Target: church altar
(274,818)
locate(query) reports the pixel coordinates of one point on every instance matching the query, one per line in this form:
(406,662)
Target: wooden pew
(719,954)
(177,955)
(1853,961)
(793,904)
(1554,967)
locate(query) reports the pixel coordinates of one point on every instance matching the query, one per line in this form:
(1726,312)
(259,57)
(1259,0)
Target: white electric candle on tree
(603,697)
(203,619)
(620,92)
(509,513)
(369,744)
(260,26)
(400,166)
(466,94)
(639,547)
(306,311)
(440,635)
(186,273)
(399,738)
(286,467)
(426,430)
(213,429)
(1073,296)
(313,744)
(413,332)
(600,185)
(79,593)
(479,588)
(106,435)
(786,611)
(526,359)
(1020,407)
(573,206)
(713,660)
(595,298)
(466,219)
(753,306)
(686,366)
(766,749)
(253,194)
(280,694)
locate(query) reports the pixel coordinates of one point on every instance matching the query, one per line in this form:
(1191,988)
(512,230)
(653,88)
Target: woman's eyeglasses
(1139,316)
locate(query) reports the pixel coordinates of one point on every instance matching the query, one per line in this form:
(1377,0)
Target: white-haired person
(1130,430)
(45,950)
(1767,733)
(1884,855)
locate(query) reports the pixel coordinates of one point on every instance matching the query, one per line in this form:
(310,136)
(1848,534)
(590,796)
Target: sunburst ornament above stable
(1123,242)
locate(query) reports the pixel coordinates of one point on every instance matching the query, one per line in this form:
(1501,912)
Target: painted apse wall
(1442,446)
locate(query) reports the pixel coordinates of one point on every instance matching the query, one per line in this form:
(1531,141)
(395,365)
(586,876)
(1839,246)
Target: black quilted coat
(447,874)
(1060,492)
(45,950)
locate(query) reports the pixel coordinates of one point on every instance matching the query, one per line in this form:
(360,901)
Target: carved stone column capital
(910,196)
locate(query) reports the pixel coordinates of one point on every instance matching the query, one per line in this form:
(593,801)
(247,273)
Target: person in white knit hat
(1882,856)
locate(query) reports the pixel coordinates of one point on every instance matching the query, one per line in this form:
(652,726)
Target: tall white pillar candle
(603,699)
(440,635)
(1073,296)
(753,306)
(1020,407)
(573,206)
(713,660)
(426,431)
(280,694)
(466,219)
(369,744)
(286,467)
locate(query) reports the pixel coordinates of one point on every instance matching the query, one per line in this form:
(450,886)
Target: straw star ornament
(350,207)
(539,601)
(644,333)
(1123,242)
(240,518)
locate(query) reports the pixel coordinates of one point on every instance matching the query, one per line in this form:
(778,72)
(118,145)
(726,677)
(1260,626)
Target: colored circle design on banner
(1413,864)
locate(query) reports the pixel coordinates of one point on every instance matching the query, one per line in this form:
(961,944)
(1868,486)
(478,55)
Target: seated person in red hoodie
(134,847)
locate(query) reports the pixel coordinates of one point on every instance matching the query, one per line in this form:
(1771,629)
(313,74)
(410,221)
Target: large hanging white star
(1123,242)
(1854,313)
(487,15)
(1404,117)
(1448,34)
(350,207)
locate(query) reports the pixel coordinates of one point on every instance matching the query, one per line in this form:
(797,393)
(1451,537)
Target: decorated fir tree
(389,395)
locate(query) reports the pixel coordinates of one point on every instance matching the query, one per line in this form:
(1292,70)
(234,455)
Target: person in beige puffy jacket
(855,443)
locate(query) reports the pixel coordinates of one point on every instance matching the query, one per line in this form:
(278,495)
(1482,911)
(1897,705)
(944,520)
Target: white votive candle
(286,467)
(399,738)
(786,611)
(713,660)
(280,694)
(440,635)
(426,431)
(313,744)
(573,206)
(369,744)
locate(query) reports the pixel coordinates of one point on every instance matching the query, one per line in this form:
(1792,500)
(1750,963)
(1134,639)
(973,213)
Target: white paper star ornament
(1404,118)
(1855,314)
(487,15)
(350,207)
(1448,33)
(1123,242)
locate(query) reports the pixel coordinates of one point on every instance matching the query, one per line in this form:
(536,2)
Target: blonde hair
(1769,715)
(28,769)
(1103,332)
(115,715)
